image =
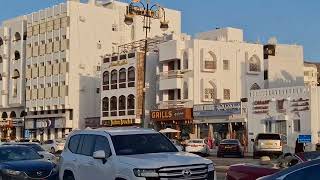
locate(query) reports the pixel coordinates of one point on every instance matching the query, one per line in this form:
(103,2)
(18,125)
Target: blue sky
(290,21)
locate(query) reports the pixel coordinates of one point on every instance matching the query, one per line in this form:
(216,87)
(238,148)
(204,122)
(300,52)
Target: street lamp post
(148,12)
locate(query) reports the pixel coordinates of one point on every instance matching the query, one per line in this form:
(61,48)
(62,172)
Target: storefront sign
(118,122)
(6,123)
(171,114)
(304,138)
(118,63)
(139,84)
(222,109)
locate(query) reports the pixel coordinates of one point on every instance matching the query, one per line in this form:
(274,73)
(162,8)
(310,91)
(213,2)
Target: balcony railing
(183,103)
(171,74)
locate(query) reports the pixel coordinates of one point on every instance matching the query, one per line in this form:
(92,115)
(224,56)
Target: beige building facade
(60,66)
(310,74)
(12,77)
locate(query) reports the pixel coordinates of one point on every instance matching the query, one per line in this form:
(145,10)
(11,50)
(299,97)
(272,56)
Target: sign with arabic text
(221,109)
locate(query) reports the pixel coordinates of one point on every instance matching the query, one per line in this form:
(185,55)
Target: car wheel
(52,150)
(68,176)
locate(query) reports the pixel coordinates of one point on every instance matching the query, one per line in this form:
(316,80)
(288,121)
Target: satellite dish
(273,40)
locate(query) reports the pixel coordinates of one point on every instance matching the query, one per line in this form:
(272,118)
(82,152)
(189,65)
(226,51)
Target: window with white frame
(226,94)
(226,65)
(296,125)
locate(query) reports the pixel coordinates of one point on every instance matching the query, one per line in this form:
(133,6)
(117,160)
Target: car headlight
(146,173)
(10,172)
(210,167)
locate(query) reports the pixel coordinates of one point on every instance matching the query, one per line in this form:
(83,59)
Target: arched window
(254,64)
(122,106)
(114,79)
(16,74)
(13,114)
(210,92)
(113,106)
(4,115)
(131,104)
(210,64)
(255,86)
(106,80)
(23,113)
(1,60)
(105,107)
(1,41)
(122,78)
(185,60)
(17,55)
(17,36)
(131,77)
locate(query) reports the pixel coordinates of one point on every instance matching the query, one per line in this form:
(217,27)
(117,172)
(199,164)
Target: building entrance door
(281,127)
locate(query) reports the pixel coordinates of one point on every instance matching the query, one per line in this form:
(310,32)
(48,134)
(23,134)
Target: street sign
(304,139)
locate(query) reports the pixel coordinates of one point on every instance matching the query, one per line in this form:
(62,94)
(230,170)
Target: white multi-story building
(310,74)
(290,111)
(60,61)
(216,67)
(283,65)
(12,77)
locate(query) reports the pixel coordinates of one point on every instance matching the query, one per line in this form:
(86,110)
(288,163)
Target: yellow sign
(135,1)
(118,63)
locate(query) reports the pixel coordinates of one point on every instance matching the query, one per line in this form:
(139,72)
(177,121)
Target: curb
(221,168)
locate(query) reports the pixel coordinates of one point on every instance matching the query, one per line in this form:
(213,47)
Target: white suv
(128,154)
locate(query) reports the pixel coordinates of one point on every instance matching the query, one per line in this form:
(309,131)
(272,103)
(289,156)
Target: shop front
(11,129)
(220,121)
(178,119)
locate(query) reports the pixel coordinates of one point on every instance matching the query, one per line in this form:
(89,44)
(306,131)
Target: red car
(252,172)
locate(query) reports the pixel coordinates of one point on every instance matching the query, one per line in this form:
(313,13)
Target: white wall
(285,69)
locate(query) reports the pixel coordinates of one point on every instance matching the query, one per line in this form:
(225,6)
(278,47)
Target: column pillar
(52,133)
(18,133)
(211,130)
(38,134)
(45,134)
(59,133)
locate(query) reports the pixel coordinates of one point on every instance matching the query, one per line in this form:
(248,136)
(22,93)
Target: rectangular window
(209,93)
(210,65)
(266,75)
(171,94)
(268,126)
(226,65)
(226,94)
(296,125)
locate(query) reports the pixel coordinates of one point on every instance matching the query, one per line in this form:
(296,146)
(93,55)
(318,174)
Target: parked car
(53,146)
(304,171)
(230,147)
(177,144)
(36,147)
(197,146)
(254,171)
(21,162)
(128,154)
(267,144)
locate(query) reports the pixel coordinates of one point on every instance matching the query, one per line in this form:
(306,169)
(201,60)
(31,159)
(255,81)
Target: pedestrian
(299,147)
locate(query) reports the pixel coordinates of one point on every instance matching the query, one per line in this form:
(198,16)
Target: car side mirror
(100,155)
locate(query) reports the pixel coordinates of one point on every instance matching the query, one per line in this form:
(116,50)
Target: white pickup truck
(129,154)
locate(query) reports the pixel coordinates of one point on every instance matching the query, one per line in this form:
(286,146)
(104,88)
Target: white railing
(171,74)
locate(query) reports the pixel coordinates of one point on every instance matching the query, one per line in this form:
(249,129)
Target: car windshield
(198,141)
(142,144)
(269,136)
(230,141)
(18,154)
(35,147)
